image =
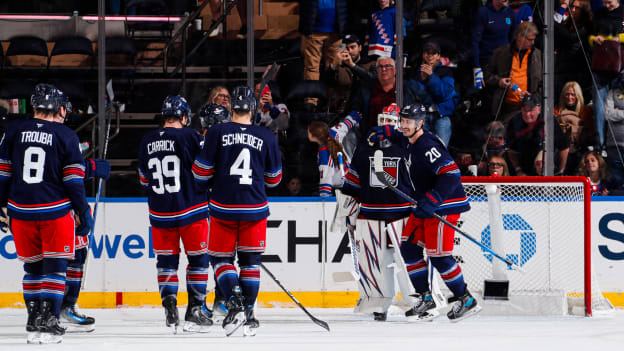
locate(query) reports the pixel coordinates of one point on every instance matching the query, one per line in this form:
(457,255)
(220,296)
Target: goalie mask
(176,106)
(389,115)
(211,114)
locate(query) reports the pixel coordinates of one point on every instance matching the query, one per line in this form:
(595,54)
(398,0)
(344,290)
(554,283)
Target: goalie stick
(319,322)
(381,174)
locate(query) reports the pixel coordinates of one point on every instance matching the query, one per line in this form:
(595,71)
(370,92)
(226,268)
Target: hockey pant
(376,264)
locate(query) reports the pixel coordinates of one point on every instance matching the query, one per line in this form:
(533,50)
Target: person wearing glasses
(219,95)
(497,165)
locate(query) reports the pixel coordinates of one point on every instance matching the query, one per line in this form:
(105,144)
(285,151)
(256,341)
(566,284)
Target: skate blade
(470,313)
(174,329)
(239,319)
(424,317)
(249,331)
(190,327)
(33,337)
(49,338)
(77,328)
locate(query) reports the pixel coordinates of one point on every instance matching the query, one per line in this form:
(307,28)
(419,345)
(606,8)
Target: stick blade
(378,161)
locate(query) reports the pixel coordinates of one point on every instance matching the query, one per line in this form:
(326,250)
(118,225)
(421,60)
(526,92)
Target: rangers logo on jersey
(391,166)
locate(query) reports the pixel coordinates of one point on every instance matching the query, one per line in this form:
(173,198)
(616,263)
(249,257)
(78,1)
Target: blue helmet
(63,100)
(211,114)
(45,97)
(176,106)
(416,112)
(243,99)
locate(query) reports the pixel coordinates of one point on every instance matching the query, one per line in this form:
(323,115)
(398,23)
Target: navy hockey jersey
(41,171)
(431,167)
(240,159)
(376,200)
(166,158)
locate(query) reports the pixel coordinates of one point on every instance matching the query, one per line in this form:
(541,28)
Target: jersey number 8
(169,167)
(34,162)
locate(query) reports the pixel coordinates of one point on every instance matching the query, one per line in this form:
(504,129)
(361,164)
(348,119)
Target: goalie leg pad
(451,273)
(416,266)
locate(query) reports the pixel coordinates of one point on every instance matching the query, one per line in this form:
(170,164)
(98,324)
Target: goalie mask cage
(542,224)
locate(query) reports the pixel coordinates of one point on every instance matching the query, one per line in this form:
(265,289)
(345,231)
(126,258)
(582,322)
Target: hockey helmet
(390,113)
(417,112)
(211,114)
(243,99)
(176,106)
(63,100)
(45,97)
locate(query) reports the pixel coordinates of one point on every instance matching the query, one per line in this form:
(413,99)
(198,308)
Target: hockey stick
(319,322)
(95,206)
(383,178)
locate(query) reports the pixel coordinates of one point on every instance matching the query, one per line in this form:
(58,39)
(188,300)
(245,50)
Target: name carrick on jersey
(376,200)
(431,167)
(166,157)
(241,160)
(41,171)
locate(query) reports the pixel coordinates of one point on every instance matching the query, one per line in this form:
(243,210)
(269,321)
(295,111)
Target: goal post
(546,230)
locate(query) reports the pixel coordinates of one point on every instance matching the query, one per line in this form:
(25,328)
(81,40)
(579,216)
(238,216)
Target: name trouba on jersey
(37,137)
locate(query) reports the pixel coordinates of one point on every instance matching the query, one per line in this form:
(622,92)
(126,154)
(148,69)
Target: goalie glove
(427,205)
(380,136)
(86,222)
(478,78)
(97,168)
(4,220)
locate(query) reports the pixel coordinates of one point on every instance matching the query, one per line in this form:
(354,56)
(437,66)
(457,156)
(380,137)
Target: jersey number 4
(241,167)
(169,168)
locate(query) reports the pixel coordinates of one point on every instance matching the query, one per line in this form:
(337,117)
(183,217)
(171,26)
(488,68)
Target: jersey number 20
(169,167)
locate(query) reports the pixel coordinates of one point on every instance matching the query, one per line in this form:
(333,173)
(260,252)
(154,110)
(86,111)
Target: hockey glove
(97,168)
(380,136)
(427,205)
(86,222)
(4,220)
(478,78)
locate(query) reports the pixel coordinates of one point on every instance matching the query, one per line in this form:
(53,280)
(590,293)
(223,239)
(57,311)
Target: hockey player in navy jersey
(71,318)
(178,210)
(241,159)
(382,213)
(41,182)
(436,184)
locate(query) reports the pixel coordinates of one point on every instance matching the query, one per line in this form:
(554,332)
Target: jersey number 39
(168,168)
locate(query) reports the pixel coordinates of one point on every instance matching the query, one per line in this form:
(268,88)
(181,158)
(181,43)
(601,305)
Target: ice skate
(32,331)
(75,321)
(251,323)
(171,313)
(50,330)
(236,312)
(219,310)
(425,309)
(464,307)
(198,319)
(380,316)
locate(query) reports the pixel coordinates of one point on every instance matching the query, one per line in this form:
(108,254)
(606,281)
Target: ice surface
(139,329)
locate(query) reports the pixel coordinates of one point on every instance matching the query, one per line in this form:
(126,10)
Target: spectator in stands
(216,10)
(219,95)
(381,34)
(494,146)
(525,135)
(438,83)
(348,71)
(492,27)
(538,163)
(594,167)
(497,165)
(322,24)
(293,186)
(614,114)
(607,25)
(571,54)
(269,114)
(372,98)
(576,120)
(515,71)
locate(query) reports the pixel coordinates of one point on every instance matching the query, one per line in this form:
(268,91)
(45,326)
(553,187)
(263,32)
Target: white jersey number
(433,154)
(241,167)
(34,162)
(169,167)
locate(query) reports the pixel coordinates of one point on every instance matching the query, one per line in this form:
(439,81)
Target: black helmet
(211,114)
(45,97)
(243,99)
(416,112)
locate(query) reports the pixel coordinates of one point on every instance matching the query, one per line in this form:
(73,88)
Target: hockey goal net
(542,224)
